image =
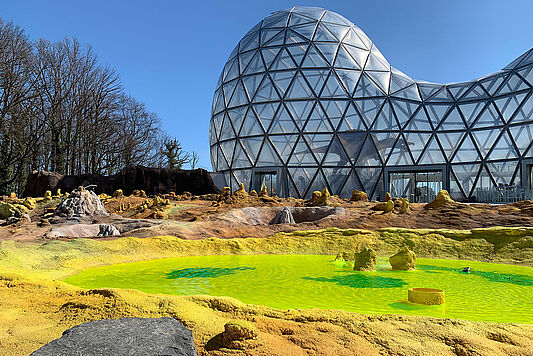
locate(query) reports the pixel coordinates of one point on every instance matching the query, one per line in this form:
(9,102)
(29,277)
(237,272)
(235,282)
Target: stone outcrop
(443,199)
(151,180)
(126,336)
(81,203)
(365,260)
(403,260)
(405,206)
(386,206)
(283,217)
(237,332)
(108,230)
(358,195)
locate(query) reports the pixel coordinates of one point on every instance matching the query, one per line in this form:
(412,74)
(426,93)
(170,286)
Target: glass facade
(306,97)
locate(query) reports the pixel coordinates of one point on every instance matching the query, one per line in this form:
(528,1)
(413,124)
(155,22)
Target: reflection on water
(518,279)
(205,272)
(357,280)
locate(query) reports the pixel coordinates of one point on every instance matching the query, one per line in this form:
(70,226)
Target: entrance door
(266,179)
(418,187)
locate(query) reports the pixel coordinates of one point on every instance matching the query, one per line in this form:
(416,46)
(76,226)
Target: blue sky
(169,53)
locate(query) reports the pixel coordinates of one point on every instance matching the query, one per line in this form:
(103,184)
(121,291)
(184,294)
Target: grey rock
(283,217)
(127,336)
(81,203)
(108,230)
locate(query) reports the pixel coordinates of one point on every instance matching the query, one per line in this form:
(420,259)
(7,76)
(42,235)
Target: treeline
(63,111)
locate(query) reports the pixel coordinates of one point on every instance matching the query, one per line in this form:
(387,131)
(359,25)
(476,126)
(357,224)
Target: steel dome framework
(307,95)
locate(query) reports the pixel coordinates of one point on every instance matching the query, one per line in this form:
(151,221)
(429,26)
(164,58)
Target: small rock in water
(283,217)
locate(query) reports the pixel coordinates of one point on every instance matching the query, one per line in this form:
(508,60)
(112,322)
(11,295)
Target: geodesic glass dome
(307,101)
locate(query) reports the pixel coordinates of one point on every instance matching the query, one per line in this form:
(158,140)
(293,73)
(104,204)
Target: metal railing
(502,195)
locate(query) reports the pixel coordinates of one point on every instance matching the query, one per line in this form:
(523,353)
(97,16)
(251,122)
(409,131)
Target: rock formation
(443,199)
(403,260)
(108,230)
(81,203)
(365,260)
(387,206)
(151,180)
(237,332)
(283,217)
(126,336)
(405,206)
(358,195)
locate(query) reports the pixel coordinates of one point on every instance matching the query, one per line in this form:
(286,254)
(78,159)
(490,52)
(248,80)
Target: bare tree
(194,160)
(173,154)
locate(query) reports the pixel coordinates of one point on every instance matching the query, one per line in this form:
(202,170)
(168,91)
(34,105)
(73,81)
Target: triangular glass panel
(428,89)
(336,178)
(416,141)
(432,154)
(476,92)
(354,40)
(318,122)
(302,177)
(404,110)
(316,78)
(323,34)
(382,79)
(256,64)
(385,119)
(525,112)
(466,176)
(508,105)
(313,59)
(217,123)
(266,91)
(319,144)
(523,136)
(231,70)
(359,55)
(527,74)
(368,155)
(212,133)
(410,93)
(503,149)
(218,101)
(294,38)
(351,184)
(214,158)
(297,19)
(492,83)
(302,155)
(528,59)
(222,161)
(283,145)
(283,61)
(369,178)
(245,58)
(267,157)
(313,12)
(297,52)
(352,120)
(251,82)
(249,42)
(268,34)
(276,20)
(484,181)
(237,116)
(229,88)
(251,125)
(467,152)
(399,80)
(252,145)
(441,96)
(453,121)
(300,111)
(339,31)
(419,122)
(319,182)
(485,139)
(450,142)
(368,109)
(283,122)
(227,148)
(352,143)
(471,110)
(515,62)
(456,192)
(367,88)
(377,62)
(503,172)
(489,118)
(345,60)
(277,40)
(400,155)
(458,89)
(328,51)
(336,155)
(269,55)
(282,79)
(348,78)
(243,176)
(226,132)
(332,17)
(239,96)
(513,84)
(333,88)
(299,89)
(265,113)
(436,112)
(334,110)
(384,142)
(305,30)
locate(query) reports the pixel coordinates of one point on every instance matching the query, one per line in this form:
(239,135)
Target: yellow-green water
(491,292)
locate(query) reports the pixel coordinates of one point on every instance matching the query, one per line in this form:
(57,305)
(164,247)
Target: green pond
(490,292)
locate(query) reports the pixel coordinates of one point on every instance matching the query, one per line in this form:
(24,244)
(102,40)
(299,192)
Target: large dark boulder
(151,180)
(127,336)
